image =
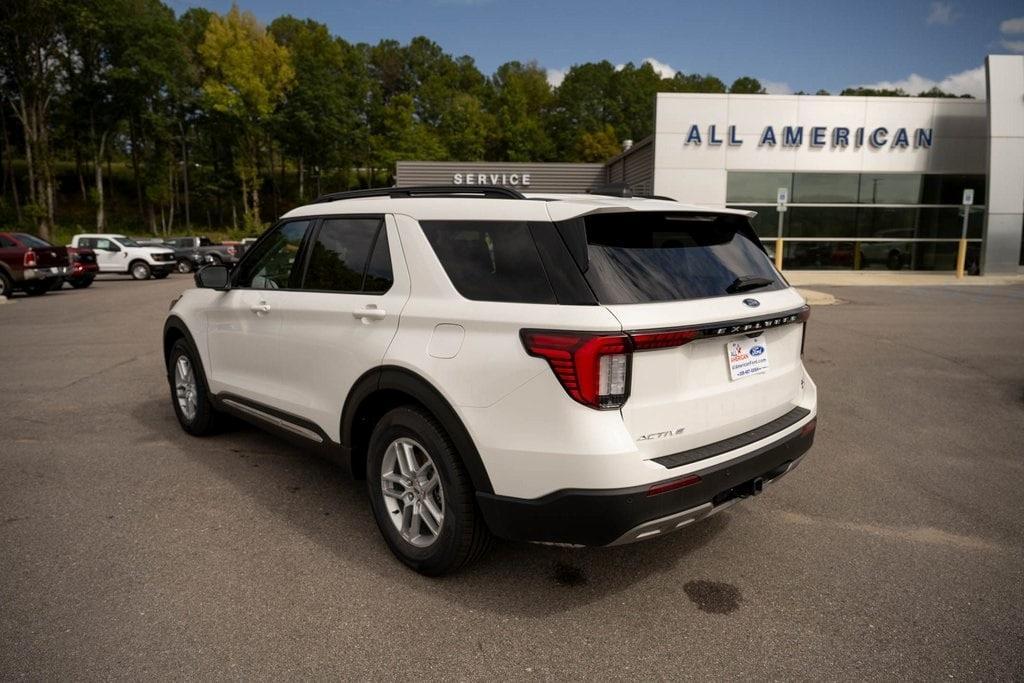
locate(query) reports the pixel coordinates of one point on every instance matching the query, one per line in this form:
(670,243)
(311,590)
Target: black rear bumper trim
(734,442)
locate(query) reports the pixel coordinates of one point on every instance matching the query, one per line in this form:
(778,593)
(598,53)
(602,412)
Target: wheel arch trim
(404,381)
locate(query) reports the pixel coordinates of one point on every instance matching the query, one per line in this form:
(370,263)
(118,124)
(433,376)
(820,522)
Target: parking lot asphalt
(131,550)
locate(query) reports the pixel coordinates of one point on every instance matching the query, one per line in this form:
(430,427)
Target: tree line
(121,114)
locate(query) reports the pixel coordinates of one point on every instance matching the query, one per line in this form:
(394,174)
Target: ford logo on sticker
(756,351)
(753,303)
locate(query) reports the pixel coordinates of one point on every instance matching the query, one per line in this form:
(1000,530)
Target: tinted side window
(271,265)
(6,243)
(491,260)
(338,257)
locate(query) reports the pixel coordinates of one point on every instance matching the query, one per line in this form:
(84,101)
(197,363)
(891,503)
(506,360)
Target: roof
(535,207)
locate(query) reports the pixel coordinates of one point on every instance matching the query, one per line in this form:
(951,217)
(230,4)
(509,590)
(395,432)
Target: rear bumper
(615,516)
(35,274)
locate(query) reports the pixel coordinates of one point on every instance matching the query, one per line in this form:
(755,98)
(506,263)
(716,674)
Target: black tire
(58,284)
(185,266)
(81,282)
(206,420)
(161,274)
(38,288)
(6,285)
(463,537)
(139,270)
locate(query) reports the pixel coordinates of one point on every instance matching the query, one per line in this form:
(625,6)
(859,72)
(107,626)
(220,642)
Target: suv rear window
(491,260)
(643,257)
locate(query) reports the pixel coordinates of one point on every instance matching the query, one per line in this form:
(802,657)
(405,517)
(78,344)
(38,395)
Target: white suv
(120,254)
(564,369)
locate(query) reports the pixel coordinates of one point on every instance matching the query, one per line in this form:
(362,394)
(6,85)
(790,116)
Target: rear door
(244,323)
(339,324)
(658,271)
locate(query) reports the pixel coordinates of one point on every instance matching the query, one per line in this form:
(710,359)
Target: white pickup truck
(120,254)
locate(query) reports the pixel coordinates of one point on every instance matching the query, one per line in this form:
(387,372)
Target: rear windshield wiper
(748,282)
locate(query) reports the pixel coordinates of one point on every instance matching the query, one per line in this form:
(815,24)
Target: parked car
(120,254)
(29,263)
(563,369)
(82,267)
(192,252)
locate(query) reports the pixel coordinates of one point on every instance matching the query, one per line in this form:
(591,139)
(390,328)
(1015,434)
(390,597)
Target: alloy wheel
(413,494)
(185,387)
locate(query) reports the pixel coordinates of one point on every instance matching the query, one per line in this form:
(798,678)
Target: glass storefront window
(818,255)
(756,187)
(949,189)
(812,221)
(890,188)
(825,188)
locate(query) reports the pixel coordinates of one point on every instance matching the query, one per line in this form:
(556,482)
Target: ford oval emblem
(753,303)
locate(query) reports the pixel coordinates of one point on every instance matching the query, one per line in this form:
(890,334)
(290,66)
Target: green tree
(31,45)
(598,146)
(322,121)
(695,83)
(247,76)
(520,100)
(746,85)
(874,92)
(401,136)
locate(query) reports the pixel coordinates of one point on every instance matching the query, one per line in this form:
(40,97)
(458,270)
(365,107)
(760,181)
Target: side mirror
(212,277)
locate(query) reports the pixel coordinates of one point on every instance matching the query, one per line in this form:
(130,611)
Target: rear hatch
(717,330)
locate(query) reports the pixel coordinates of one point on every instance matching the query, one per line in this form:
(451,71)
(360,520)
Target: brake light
(648,341)
(593,369)
(31,261)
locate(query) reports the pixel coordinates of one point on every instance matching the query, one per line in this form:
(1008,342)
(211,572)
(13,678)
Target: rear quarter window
(491,260)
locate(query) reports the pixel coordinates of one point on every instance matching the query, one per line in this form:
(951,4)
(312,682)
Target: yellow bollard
(778,254)
(961,259)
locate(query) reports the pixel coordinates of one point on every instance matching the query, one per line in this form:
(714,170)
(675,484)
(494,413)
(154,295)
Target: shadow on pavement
(321,501)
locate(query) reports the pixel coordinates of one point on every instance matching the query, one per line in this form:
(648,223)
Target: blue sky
(795,45)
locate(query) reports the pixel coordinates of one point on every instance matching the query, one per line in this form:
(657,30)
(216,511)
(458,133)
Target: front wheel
(184,266)
(140,270)
(421,495)
(189,393)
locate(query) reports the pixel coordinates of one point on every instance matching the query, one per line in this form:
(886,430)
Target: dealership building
(869,182)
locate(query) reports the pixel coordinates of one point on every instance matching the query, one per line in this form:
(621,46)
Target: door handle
(371,312)
(260,308)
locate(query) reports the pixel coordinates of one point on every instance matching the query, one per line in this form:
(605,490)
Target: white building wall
(696,173)
(1005,216)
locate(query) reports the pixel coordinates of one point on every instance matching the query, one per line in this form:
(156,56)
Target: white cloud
(1015,25)
(1014,45)
(970,82)
(661,68)
(556,76)
(777,88)
(940,13)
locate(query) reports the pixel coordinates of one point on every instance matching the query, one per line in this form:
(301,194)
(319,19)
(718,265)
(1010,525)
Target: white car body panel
(118,261)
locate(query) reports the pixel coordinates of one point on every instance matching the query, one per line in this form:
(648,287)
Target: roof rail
(488,191)
(612,190)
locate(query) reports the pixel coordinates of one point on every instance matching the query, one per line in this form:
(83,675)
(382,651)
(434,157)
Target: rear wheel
(189,393)
(5,285)
(81,282)
(38,288)
(421,495)
(140,270)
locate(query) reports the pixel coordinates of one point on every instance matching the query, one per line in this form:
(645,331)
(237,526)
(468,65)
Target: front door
(109,257)
(244,324)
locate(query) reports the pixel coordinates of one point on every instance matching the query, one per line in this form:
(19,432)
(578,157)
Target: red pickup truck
(30,264)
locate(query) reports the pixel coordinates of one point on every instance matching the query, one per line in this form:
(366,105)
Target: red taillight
(647,341)
(593,369)
(666,486)
(30,259)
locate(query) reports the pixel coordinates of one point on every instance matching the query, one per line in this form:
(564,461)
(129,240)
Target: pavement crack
(99,372)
